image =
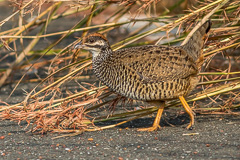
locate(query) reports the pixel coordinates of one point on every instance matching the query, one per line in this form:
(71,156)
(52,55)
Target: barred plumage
(150,73)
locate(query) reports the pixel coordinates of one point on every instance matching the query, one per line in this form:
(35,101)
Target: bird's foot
(150,129)
(190,126)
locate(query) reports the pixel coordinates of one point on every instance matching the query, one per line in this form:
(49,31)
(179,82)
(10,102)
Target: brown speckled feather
(158,73)
(161,63)
(149,72)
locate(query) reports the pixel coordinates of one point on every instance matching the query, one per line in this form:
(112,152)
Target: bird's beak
(79,45)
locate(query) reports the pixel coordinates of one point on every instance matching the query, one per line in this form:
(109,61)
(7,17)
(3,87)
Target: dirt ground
(214,136)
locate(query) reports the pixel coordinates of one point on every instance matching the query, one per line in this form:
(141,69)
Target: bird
(150,73)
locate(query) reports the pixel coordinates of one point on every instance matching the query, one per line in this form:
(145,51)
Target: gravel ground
(214,137)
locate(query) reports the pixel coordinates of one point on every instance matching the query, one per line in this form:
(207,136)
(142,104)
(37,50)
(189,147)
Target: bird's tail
(195,43)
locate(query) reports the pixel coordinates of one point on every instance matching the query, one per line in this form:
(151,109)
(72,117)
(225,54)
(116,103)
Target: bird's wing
(155,64)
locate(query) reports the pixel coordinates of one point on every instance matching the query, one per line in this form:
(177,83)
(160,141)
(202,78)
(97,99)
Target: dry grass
(54,106)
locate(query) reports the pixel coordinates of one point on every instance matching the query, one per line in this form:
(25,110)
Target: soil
(214,137)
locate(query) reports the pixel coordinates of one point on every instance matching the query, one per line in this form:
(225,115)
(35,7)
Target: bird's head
(93,43)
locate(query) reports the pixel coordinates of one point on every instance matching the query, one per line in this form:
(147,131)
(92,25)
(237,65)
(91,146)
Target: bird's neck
(103,55)
(103,64)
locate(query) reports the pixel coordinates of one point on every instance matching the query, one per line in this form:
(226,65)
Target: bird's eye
(91,40)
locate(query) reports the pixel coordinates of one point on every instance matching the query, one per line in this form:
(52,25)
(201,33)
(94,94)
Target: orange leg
(156,122)
(189,111)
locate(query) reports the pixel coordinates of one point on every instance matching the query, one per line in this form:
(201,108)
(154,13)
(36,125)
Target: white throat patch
(95,52)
